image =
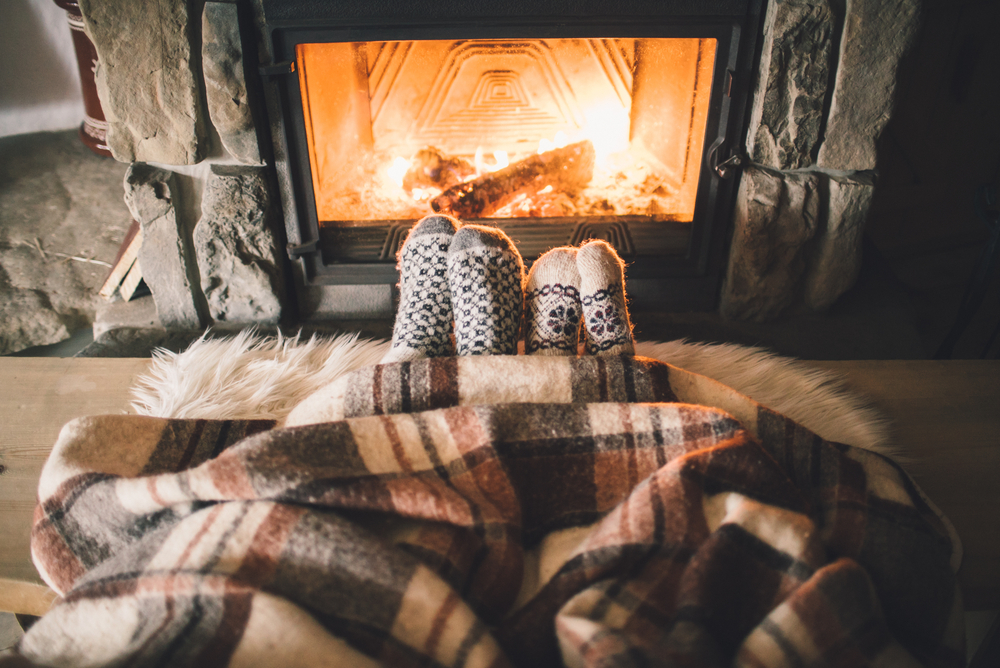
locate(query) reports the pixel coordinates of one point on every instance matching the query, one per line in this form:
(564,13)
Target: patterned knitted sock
(486,278)
(602,294)
(552,304)
(424,319)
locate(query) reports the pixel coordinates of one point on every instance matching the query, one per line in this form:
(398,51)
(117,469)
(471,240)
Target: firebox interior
(392,125)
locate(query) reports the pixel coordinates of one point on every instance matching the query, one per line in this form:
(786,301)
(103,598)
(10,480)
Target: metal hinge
(728,166)
(278,69)
(295,251)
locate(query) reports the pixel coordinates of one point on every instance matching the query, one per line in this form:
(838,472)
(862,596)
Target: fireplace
(282,149)
(556,127)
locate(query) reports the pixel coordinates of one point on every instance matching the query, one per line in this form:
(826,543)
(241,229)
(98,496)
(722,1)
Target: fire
(559,141)
(625,181)
(500,160)
(608,129)
(397,170)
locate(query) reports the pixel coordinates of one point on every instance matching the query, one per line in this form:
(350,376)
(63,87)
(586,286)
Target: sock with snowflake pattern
(552,304)
(602,295)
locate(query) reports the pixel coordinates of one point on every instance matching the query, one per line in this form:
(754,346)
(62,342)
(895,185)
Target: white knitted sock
(552,304)
(424,319)
(602,294)
(486,278)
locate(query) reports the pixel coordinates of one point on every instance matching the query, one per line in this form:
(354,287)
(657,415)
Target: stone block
(877,33)
(788,105)
(238,256)
(166,255)
(137,313)
(835,256)
(777,214)
(148,85)
(225,86)
(27,319)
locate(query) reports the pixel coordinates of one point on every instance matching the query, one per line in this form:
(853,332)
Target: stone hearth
(171,79)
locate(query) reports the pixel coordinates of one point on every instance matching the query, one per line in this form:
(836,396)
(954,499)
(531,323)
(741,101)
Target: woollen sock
(602,295)
(424,319)
(486,279)
(552,304)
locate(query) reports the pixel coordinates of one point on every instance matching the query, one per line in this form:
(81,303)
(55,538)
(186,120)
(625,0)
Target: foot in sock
(486,279)
(552,304)
(602,295)
(424,319)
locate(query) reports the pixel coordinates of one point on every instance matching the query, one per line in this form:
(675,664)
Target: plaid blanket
(504,511)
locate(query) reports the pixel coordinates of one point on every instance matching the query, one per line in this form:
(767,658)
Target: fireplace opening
(399,130)
(557,128)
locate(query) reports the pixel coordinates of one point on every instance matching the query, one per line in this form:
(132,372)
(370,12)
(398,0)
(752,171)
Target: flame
(500,160)
(607,128)
(397,170)
(421,194)
(559,141)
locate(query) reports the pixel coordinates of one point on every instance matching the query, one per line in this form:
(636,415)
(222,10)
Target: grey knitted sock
(486,278)
(552,304)
(424,319)
(602,294)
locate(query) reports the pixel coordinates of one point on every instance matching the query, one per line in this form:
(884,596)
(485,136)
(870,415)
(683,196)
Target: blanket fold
(629,513)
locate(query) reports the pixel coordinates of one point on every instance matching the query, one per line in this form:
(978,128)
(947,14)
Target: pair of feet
(470,280)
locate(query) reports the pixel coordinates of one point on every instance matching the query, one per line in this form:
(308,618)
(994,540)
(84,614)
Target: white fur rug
(249,376)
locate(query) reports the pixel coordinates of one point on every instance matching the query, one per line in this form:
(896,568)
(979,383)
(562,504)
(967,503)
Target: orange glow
(371,107)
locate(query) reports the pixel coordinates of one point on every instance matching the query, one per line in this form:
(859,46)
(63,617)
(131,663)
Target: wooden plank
(37,397)
(946,422)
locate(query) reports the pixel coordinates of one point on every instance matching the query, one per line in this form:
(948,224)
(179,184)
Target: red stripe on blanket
(264,552)
(229,475)
(443,382)
(397,445)
(52,555)
(440,620)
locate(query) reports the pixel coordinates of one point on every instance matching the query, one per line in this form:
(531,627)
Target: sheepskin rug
(250,376)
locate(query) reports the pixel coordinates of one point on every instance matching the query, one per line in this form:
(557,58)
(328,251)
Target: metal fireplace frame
(678,278)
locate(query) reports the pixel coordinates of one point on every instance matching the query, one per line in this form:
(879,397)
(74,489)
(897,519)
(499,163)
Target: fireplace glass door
(546,138)
(398,130)
(554,131)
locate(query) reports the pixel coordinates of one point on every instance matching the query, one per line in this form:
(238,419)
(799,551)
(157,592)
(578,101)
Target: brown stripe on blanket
(66,518)
(402,387)
(261,560)
(444,613)
(187,443)
(60,566)
(443,382)
(237,604)
(106,587)
(833,618)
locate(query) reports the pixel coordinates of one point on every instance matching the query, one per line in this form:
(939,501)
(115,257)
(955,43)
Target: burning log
(567,170)
(431,167)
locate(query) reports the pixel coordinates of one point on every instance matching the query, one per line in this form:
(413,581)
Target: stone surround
(817,115)
(826,89)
